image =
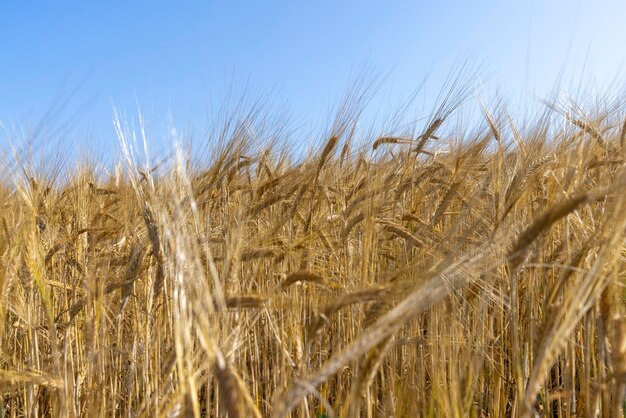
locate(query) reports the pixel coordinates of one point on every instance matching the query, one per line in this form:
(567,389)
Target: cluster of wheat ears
(447,273)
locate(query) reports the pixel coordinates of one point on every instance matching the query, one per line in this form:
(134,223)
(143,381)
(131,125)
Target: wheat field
(449,273)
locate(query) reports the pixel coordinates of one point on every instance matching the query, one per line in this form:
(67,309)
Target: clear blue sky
(181,58)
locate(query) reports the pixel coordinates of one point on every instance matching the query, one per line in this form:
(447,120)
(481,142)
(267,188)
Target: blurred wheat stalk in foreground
(443,274)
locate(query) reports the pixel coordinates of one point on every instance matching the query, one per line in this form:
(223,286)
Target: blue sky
(73,60)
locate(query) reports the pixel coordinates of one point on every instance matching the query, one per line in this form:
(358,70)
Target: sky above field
(66,64)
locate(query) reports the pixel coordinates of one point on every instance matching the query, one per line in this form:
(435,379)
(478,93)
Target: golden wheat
(480,277)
